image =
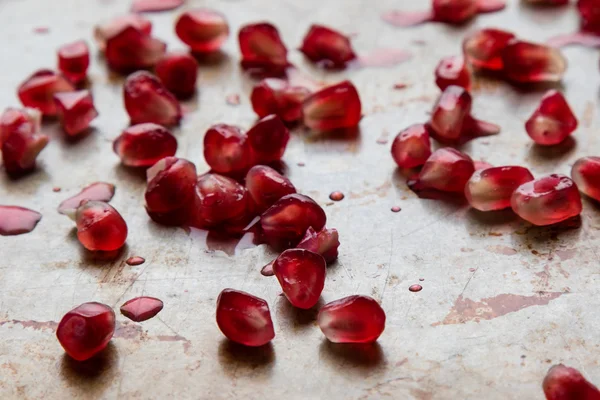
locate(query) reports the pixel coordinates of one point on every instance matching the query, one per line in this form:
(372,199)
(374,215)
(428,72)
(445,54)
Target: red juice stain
(16,220)
(56,189)
(576,38)
(336,196)
(400,86)
(396,209)
(155,5)
(407,18)
(384,58)
(135,260)
(301,164)
(41,30)
(415,288)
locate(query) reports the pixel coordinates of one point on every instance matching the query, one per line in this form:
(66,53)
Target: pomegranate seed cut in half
(131,49)
(266,186)
(263,51)
(565,383)
(454,11)
(327,47)
(202,29)
(147,100)
(325,242)
(143,145)
(411,147)
(590,15)
(586,174)
(268,139)
(353,319)
(178,72)
(244,318)
(530,63)
(39,89)
(335,107)
(491,189)
(218,200)
(100,227)
(86,330)
(452,71)
(76,110)
(98,191)
(107,30)
(277,96)
(301,274)
(547,200)
(447,170)
(553,121)
(483,49)
(226,150)
(12,118)
(74,60)
(142,308)
(21,141)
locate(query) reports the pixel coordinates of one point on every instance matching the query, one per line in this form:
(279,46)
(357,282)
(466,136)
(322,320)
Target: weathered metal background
(501,303)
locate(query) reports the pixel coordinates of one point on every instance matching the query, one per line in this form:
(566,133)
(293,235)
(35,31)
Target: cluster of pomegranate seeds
(301,274)
(491,188)
(244,318)
(353,319)
(148,100)
(39,89)
(483,49)
(547,200)
(586,174)
(263,51)
(178,72)
(132,49)
(446,170)
(75,110)
(590,15)
(141,308)
(143,145)
(107,30)
(452,71)
(278,97)
(16,220)
(411,147)
(325,242)
(327,47)
(565,383)
(98,191)
(266,186)
(202,29)
(86,330)
(553,121)
(454,11)
(99,226)
(74,60)
(335,107)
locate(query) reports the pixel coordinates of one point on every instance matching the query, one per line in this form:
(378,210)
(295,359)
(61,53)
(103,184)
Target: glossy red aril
(98,191)
(325,242)
(328,47)
(143,145)
(226,149)
(218,200)
(530,63)
(12,118)
(411,147)
(353,319)
(483,49)
(590,15)
(334,107)
(39,89)
(454,11)
(266,186)
(565,383)
(141,308)
(447,170)
(586,174)
(132,49)
(301,274)
(268,139)
(21,141)
(244,318)
(147,100)
(86,330)
(74,60)
(76,110)
(202,29)
(452,71)
(16,220)
(277,96)
(491,189)
(263,51)
(553,121)
(178,72)
(107,30)
(100,226)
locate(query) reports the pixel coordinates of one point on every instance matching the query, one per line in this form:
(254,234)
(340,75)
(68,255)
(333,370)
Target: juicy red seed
(452,71)
(324,242)
(491,189)
(21,144)
(202,29)
(244,318)
(353,319)
(334,107)
(447,170)
(141,308)
(131,49)
(86,330)
(218,200)
(100,226)
(107,30)
(266,186)
(301,274)
(155,5)
(74,60)
(277,96)
(171,183)
(483,49)
(529,63)
(98,191)
(135,260)
(586,174)
(328,47)
(143,145)
(454,12)
(565,383)
(76,110)
(590,15)
(268,139)
(547,200)
(411,147)
(39,89)
(226,149)
(263,51)
(12,118)
(16,220)
(553,121)
(178,72)
(147,100)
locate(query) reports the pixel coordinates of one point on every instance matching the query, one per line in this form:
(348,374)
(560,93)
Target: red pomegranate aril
(353,319)
(39,89)
(590,15)
(76,110)
(325,242)
(301,274)
(74,60)
(12,118)
(586,174)
(411,147)
(171,185)
(491,189)
(277,96)
(452,71)
(16,220)
(244,319)
(327,47)
(454,11)
(226,150)
(141,308)
(266,186)
(547,200)
(268,139)
(530,63)
(135,260)
(483,49)
(218,200)
(21,145)
(263,51)
(107,30)
(132,49)
(447,170)
(553,121)
(98,191)
(143,145)
(100,227)
(565,383)
(202,29)
(178,72)
(147,100)
(335,107)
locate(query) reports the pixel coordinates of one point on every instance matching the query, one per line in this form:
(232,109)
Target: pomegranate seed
(155,5)
(218,200)
(263,52)
(529,63)
(353,319)
(268,139)
(202,29)
(74,60)
(547,200)
(226,149)
(21,143)
(76,110)
(301,274)
(39,89)
(411,147)
(454,11)
(452,71)
(491,189)
(334,107)
(590,15)
(324,242)
(244,318)
(135,260)
(98,191)
(276,96)
(336,196)
(266,186)
(105,31)
(178,72)
(586,174)
(565,383)
(447,170)
(131,49)
(16,220)
(12,118)
(483,49)
(86,330)
(141,308)
(553,121)
(100,226)
(147,100)
(143,145)
(327,47)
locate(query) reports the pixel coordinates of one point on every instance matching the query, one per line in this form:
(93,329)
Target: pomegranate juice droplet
(135,260)
(415,288)
(336,196)
(396,209)
(17,220)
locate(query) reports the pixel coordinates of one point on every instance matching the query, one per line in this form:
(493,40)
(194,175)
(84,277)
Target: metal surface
(501,303)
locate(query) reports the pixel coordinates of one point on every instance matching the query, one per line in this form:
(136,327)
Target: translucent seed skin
(447,170)
(452,71)
(411,147)
(483,49)
(492,188)
(553,121)
(586,174)
(525,62)
(100,227)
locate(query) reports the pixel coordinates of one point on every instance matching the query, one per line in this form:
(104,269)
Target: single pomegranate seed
(142,308)
(226,149)
(565,383)
(483,49)
(98,191)
(244,318)
(12,118)
(178,72)
(76,110)
(147,100)
(334,107)
(454,11)
(452,71)
(268,139)
(553,121)
(327,47)
(590,15)
(155,5)
(100,226)
(491,189)
(263,51)
(86,330)
(586,174)
(202,29)
(21,142)
(411,147)
(74,60)
(107,30)
(218,200)
(547,200)
(266,186)
(336,196)
(131,49)
(301,274)
(447,170)
(353,319)
(39,89)
(143,145)
(325,242)
(16,220)
(277,96)
(529,63)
